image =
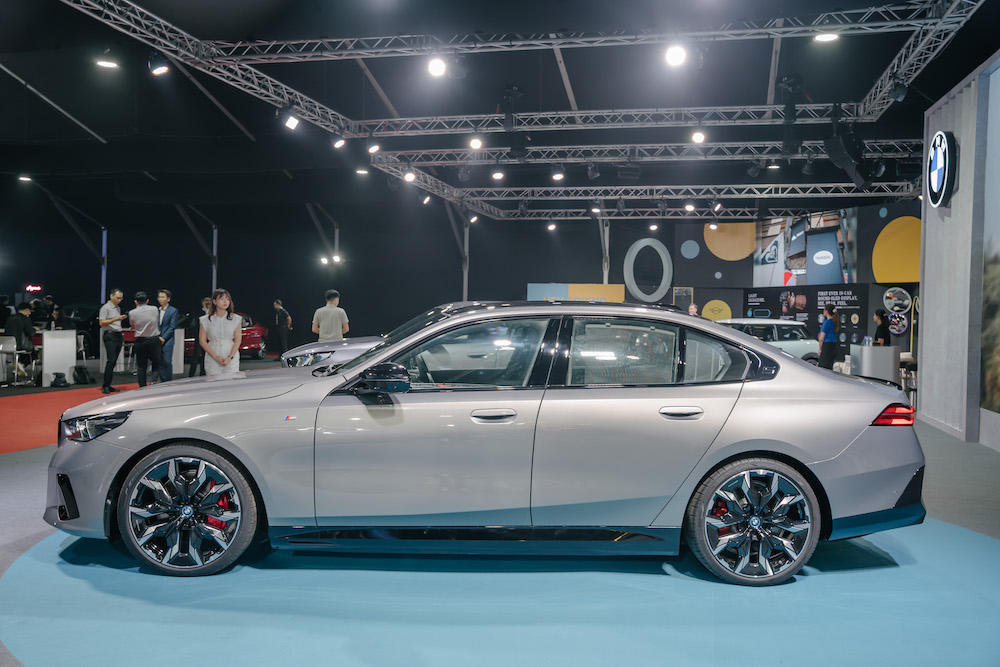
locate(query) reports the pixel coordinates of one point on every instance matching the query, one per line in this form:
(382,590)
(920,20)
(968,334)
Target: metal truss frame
(633,153)
(659,192)
(739,214)
(898,17)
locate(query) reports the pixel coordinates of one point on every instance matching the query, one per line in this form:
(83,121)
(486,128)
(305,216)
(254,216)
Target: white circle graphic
(629,270)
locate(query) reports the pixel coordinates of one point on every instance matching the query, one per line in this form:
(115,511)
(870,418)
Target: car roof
(462,307)
(759,320)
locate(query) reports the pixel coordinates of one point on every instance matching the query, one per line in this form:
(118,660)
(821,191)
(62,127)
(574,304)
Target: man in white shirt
(110,318)
(145,323)
(330,321)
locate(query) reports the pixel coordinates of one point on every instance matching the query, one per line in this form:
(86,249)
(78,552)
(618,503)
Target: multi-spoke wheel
(754,522)
(185,510)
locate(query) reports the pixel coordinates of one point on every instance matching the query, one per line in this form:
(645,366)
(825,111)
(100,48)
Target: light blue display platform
(924,595)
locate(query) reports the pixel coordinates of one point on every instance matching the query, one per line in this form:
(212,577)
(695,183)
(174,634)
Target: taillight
(896,414)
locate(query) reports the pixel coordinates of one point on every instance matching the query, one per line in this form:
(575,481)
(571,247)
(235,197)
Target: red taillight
(896,414)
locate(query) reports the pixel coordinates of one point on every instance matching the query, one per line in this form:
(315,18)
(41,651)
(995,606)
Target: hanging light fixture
(373,145)
(286,115)
(558,173)
(337,140)
(158,64)
(107,60)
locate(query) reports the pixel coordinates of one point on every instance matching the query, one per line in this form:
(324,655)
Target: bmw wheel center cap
(187,511)
(755,522)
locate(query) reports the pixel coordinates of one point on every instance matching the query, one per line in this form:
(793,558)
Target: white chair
(8,360)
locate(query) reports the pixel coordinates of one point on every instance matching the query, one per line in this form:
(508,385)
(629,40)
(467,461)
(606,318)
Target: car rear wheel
(753,522)
(262,350)
(185,510)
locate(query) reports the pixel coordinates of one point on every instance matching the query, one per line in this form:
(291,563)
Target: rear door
(632,405)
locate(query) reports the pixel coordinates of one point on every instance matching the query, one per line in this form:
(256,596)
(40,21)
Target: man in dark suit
(168,324)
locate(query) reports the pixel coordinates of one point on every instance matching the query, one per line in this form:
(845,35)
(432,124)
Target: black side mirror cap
(384,378)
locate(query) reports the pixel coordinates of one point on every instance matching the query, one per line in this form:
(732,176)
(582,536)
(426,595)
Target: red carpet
(31,420)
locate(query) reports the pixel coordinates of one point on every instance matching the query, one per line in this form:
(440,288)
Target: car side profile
(329,353)
(540,428)
(787,335)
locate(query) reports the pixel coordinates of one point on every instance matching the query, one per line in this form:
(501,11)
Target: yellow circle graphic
(896,255)
(731,241)
(716,310)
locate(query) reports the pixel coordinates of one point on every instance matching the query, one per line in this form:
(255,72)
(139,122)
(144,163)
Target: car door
(455,450)
(632,405)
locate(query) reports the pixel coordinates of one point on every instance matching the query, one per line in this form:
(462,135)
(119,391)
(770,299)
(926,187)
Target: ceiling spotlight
(426,200)
(475,143)
(288,117)
(898,90)
(689,206)
(662,205)
(337,140)
(552,226)
(497,174)
(593,172)
(361,170)
(676,55)
(879,169)
(595,206)
(337,259)
(698,137)
(324,260)
(464,174)
(773,165)
(473,217)
(522,207)
(158,64)
(437,67)
(713,225)
(653,227)
(715,206)
(826,37)
(558,173)
(808,168)
(24,179)
(620,205)
(753,169)
(373,146)
(107,60)
(409,176)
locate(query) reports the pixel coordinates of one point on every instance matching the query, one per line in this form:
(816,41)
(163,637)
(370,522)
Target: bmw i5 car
(329,353)
(556,428)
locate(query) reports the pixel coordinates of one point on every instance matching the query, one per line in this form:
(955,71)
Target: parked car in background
(254,343)
(501,428)
(787,335)
(332,353)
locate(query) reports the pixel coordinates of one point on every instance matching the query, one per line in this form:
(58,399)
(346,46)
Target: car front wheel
(185,510)
(262,350)
(754,522)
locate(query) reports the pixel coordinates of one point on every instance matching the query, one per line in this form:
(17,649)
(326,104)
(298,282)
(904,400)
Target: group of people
(154,329)
(831,325)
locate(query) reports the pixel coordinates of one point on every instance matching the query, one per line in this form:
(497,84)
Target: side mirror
(384,378)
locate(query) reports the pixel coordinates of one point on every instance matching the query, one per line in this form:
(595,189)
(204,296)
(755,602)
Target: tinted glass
(788,332)
(765,332)
(482,355)
(612,351)
(710,360)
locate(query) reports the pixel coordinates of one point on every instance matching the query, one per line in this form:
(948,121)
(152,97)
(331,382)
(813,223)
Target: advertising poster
(805,304)
(823,257)
(769,264)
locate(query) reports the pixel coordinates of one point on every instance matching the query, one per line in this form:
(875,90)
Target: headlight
(85,429)
(309,359)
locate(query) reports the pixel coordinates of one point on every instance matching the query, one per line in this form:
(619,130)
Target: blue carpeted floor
(924,595)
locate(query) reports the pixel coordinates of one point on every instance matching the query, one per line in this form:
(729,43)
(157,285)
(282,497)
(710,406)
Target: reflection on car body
(558,428)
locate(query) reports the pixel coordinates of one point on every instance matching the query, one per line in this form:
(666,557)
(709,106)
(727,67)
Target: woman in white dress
(220,334)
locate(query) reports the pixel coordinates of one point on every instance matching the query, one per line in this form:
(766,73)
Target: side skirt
(505,540)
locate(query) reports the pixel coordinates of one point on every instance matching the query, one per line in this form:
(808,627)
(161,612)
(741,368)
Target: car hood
(359,342)
(198,391)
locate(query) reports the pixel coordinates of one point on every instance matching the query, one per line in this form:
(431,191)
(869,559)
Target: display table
(876,362)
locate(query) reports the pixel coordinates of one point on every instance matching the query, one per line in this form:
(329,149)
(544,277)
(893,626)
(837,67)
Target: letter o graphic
(665,261)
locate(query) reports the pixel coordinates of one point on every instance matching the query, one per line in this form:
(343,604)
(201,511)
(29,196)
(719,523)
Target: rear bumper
(908,511)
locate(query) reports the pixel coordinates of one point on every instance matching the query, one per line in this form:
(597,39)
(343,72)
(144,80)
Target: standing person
(144,319)
(693,309)
(828,336)
(168,323)
(198,354)
(330,321)
(882,330)
(220,336)
(282,325)
(110,319)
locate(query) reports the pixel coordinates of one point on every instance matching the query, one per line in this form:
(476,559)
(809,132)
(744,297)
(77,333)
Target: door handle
(494,416)
(477,356)
(685,412)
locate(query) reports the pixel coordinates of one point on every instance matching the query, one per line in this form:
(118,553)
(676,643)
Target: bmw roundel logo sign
(942,160)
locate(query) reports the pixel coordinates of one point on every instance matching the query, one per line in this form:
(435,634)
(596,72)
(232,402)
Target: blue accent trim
(863,524)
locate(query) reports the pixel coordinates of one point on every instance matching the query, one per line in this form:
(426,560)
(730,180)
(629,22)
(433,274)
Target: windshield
(404,330)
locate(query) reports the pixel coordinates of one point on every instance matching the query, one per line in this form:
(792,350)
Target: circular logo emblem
(940,173)
(187,510)
(823,257)
(755,522)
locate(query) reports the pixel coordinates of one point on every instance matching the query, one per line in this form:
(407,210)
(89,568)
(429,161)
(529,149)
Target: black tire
(262,350)
(176,522)
(812,359)
(754,522)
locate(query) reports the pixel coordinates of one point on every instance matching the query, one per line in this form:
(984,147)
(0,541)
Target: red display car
(254,343)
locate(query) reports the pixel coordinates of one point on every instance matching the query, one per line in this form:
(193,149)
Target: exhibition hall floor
(927,594)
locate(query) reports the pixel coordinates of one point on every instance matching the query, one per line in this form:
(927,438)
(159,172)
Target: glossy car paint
(532,457)
(334,353)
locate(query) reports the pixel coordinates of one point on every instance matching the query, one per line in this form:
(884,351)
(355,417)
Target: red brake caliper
(720,510)
(223,503)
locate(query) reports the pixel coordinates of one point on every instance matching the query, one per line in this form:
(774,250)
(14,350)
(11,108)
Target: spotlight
(497,174)
(773,165)
(713,225)
(107,60)
(552,226)
(324,260)
(593,172)
(595,206)
(558,173)
(361,170)
(158,64)
(426,200)
(437,67)
(336,259)
(662,205)
(753,169)
(473,218)
(715,206)
(826,37)
(24,179)
(373,146)
(653,227)
(288,117)
(457,68)
(898,90)
(698,137)
(689,206)
(808,168)
(879,169)
(409,176)
(920,197)
(676,55)
(337,140)
(475,143)
(620,205)
(464,174)
(522,207)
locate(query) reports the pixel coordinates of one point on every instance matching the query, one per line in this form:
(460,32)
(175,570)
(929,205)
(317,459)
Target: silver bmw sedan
(555,428)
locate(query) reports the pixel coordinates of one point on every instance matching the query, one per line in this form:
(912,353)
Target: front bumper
(79,477)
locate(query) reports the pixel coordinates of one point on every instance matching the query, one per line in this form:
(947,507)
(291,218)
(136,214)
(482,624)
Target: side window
(247,322)
(787,332)
(765,332)
(485,355)
(710,360)
(613,351)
